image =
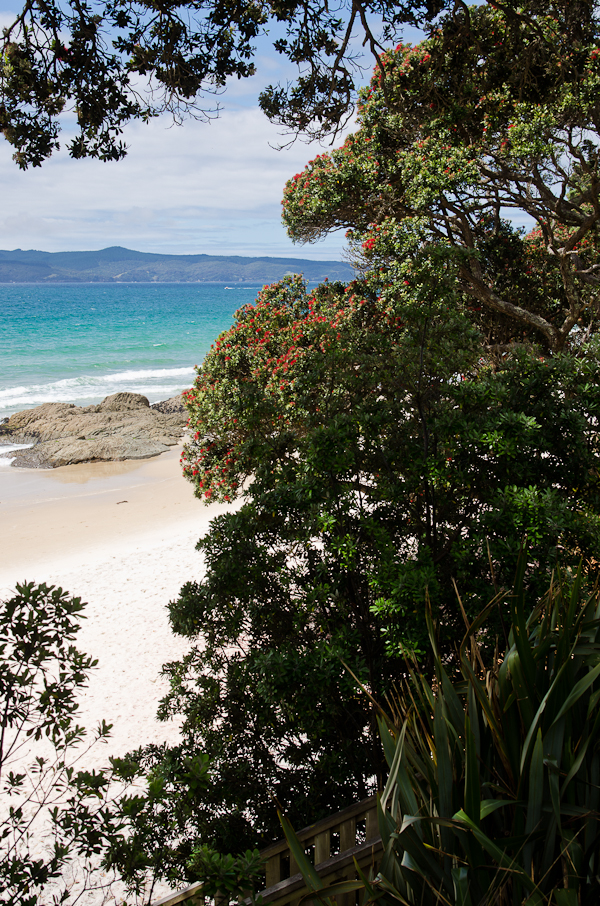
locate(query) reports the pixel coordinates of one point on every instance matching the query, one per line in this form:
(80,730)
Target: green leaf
(485,706)
(460,877)
(538,715)
(472,787)
(307,871)
(499,855)
(519,629)
(454,706)
(444,765)
(525,697)
(566,897)
(394,768)
(536,786)
(416,856)
(387,740)
(536,797)
(492,805)
(576,765)
(577,691)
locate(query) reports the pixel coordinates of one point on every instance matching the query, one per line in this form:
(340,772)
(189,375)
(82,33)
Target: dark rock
(174,404)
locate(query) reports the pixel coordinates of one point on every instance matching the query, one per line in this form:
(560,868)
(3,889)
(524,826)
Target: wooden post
(322,847)
(273,870)
(347,841)
(347,834)
(372,829)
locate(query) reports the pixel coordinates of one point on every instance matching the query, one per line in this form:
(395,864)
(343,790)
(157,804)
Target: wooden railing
(192,896)
(335,845)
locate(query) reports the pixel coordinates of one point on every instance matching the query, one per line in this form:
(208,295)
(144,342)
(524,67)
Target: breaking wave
(156,384)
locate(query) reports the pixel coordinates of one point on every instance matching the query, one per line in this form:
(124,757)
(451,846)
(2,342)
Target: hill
(120,265)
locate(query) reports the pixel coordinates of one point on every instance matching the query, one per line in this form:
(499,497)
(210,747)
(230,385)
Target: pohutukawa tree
(112,61)
(494,116)
(389,437)
(377,460)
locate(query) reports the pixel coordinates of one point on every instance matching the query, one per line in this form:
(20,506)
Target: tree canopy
(116,60)
(44,797)
(455,136)
(377,459)
(390,438)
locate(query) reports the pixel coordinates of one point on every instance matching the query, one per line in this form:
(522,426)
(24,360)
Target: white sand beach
(122,537)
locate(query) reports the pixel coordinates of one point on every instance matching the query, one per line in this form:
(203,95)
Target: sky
(198,188)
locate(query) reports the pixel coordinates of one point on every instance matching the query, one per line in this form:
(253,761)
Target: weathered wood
(347,834)
(337,868)
(372,826)
(358,810)
(190,895)
(322,846)
(273,870)
(340,867)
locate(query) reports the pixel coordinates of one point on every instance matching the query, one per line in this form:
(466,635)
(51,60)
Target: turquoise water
(79,343)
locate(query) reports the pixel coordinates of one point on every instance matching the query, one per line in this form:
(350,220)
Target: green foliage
(394,438)
(229,877)
(160,822)
(41,672)
(378,457)
(455,133)
(493,790)
(408,430)
(385,438)
(117,60)
(128,818)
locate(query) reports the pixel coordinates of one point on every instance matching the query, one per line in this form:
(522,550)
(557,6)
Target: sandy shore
(122,537)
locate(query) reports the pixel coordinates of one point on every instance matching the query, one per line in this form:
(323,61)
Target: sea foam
(7,449)
(156,384)
(80,343)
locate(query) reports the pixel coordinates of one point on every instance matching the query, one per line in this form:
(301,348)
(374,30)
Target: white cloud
(212,188)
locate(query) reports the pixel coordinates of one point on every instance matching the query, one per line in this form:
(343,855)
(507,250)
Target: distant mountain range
(119,265)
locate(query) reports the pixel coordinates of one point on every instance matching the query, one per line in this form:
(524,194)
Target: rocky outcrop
(123,426)
(169,407)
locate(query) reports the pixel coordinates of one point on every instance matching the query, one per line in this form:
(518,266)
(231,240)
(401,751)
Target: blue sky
(198,188)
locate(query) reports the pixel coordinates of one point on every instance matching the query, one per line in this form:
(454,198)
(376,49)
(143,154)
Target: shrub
(49,813)
(494,779)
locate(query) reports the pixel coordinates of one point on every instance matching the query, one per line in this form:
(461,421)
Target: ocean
(77,343)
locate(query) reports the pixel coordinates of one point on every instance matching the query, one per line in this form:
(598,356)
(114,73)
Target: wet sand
(61,516)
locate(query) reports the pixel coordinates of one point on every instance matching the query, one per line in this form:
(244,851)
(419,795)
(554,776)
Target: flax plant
(493,792)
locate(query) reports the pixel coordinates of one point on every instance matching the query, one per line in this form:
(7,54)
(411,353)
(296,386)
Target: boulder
(122,426)
(174,404)
(119,402)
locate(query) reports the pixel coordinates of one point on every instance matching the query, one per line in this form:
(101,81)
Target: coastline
(58,516)
(120,535)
